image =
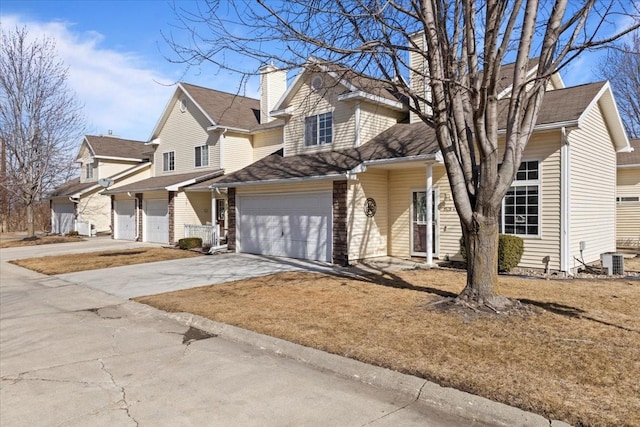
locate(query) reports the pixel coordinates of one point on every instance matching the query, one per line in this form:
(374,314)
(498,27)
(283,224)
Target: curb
(444,399)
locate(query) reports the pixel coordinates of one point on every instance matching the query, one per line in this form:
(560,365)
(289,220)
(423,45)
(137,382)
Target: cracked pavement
(75,356)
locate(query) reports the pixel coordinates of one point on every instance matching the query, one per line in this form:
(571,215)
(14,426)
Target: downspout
(221,139)
(137,214)
(565,178)
(429,207)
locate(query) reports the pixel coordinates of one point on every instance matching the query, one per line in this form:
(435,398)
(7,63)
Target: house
(358,177)
(201,135)
(104,160)
(628,198)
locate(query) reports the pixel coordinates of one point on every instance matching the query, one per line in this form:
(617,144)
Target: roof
(110,146)
(165,182)
(71,187)
(401,141)
(631,158)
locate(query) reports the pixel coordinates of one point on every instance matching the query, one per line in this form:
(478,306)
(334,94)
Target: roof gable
(630,158)
(111,147)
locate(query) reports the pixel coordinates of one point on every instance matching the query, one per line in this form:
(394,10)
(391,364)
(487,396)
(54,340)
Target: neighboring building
(105,160)
(201,135)
(628,198)
(354,180)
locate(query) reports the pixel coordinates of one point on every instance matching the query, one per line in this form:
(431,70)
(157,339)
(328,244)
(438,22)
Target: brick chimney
(419,80)
(273,84)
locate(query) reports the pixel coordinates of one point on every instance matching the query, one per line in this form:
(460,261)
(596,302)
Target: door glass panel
(419,222)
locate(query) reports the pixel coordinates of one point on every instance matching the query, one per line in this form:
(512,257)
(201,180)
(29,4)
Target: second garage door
(156,225)
(125,220)
(289,225)
(63,216)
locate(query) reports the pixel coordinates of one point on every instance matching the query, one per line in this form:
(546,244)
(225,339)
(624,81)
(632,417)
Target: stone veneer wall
(340,247)
(172,218)
(139,224)
(231,217)
(113,209)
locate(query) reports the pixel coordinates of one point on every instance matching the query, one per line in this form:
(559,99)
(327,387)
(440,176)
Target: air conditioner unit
(612,263)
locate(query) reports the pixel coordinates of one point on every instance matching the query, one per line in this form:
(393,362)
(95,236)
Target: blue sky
(117,62)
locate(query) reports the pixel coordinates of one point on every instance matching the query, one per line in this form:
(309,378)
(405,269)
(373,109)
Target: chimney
(273,84)
(419,75)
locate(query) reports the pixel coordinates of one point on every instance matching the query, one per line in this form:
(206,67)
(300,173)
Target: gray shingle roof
(111,146)
(632,158)
(162,182)
(71,187)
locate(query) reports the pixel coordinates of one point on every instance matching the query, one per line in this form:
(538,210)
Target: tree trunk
(30,222)
(482,260)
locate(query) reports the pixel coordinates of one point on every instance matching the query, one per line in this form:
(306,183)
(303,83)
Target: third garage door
(289,225)
(156,226)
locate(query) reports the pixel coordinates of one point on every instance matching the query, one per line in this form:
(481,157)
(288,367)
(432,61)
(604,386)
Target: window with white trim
(88,171)
(202,156)
(628,200)
(521,205)
(318,129)
(168,161)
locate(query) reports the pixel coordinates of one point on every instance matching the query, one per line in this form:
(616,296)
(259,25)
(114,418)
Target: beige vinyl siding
(265,143)
(181,133)
(593,186)
(309,186)
(417,80)
(367,235)
(109,168)
(628,215)
(190,208)
(144,173)
(84,157)
(375,119)
(236,152)
(308,103)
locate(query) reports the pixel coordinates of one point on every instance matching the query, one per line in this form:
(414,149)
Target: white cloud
(119,90)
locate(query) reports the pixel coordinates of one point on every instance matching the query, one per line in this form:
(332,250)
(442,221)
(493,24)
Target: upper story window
(88,168)
(318,130)
(168,161)
(521,205)
(202,156)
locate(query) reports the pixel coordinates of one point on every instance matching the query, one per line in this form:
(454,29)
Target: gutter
(332,177)
(177,186)
(550,126)
(565,202)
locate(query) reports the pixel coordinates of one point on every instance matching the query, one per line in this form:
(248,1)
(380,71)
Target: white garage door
(125,220)
(62,217)
(289,225)
(156,226)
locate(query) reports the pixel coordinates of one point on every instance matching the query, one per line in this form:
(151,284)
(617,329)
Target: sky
(117,58)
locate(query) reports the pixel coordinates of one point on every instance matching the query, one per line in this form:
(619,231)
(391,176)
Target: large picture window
(168,161)
(202,156)
(521,205)
(318,129)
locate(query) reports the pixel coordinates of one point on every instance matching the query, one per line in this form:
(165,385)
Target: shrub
(510,250)
(190,243)
(72,233)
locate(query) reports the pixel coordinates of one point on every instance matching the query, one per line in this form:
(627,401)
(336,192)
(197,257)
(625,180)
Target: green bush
(190,243)
(510,250)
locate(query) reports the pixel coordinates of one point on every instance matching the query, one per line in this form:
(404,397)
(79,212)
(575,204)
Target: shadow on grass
(123,253)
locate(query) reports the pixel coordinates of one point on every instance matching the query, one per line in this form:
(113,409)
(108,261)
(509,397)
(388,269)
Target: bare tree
(40,120)
(465,45)
(622,68)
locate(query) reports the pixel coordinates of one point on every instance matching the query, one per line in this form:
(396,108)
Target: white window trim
(527,183)
(195,160)
(168,163)
(304,124)
(88,167)
(619,200)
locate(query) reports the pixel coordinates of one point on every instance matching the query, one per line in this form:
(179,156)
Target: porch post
(214,216)
(429,196)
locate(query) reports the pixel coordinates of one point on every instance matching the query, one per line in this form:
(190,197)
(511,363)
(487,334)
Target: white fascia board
(332,177)
(284,112)
(550,126)
(422,157)
(360,95)
(177,186)
(614,122)
(227,128)
(637,166)
(124,159)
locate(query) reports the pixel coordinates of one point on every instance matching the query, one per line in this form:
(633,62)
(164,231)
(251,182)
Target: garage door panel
(125,220)
(295,226)
(63,217)
(156,221)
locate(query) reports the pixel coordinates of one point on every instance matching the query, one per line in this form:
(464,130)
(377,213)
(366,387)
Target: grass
(60,264)
(575,357)
(45,240)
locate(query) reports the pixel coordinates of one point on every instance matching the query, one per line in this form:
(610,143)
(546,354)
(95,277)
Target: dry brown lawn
(70,263)
(632,264)
(576,357)
(45,240)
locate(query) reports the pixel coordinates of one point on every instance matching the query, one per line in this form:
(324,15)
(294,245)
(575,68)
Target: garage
(125,220)
(156,224)
(62,217)
(287,225)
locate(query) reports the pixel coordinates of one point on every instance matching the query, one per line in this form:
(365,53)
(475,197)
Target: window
(168,161)
(88,171)
(521,204)
(318,130)
(628,200)
(220,208)
(183,104)
(202,156)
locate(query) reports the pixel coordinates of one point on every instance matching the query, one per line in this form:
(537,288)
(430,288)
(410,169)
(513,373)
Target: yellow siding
(628,215)
(374,120)
(417,77)
(109,168)
(368,235)
(236,152)
(190,208)
(265,143)
(593,184)
(181,133)
(307,103)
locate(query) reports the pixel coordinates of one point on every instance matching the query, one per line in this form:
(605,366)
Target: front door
(419,222)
